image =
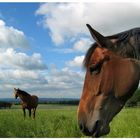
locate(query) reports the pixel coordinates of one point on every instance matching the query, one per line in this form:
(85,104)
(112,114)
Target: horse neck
(23,97)
(137,62)
(128,50)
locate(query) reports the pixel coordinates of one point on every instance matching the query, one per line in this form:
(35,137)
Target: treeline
(70,102)
(63,102)
(134,101)
(5,105)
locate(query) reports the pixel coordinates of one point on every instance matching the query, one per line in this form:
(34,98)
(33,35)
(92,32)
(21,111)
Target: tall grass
(126,124)
(62,122)
(52,123)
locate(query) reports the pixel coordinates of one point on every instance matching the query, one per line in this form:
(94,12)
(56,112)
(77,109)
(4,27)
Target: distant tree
(64,102)
(5,105)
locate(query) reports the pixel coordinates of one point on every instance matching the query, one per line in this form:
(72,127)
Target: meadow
(60,121)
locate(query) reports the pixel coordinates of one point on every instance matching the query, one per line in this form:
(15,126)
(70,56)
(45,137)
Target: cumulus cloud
(82,45)
(12,59)
(65,76)
(68,20)
(9,76)
(18,69)
(66,17)
(76,62)
(64,82)
(55,83)
(25,79)
(11,37)
(21,71)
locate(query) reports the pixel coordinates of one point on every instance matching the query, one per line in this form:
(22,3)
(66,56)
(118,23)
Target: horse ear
(100,39)
(15,89)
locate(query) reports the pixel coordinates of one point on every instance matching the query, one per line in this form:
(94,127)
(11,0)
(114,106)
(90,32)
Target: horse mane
(88,54)
(24,93)
(121,46)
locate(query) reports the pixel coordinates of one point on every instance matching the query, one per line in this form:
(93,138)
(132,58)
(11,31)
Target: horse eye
(101,108)
(95,69)
(91,69)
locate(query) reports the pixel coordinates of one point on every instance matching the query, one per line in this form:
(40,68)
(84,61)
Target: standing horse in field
(111,79)
(28,101)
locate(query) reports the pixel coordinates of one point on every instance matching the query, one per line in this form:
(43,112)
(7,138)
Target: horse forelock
(89,54)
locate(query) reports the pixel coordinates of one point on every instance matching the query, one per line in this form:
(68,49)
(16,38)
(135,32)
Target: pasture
(58,121)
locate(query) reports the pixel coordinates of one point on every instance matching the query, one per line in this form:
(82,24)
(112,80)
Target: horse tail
(35,99)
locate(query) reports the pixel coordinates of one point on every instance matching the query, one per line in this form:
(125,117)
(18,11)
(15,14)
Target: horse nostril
(96,126)
(97,122)
(81,126)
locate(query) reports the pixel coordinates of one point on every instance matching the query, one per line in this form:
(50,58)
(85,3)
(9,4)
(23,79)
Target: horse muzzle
(97,130)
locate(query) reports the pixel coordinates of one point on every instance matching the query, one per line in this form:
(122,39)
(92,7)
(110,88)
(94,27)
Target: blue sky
(42,45)
(22,17)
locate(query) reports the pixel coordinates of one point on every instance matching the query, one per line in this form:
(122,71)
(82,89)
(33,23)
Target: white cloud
(25,79)
(76,62)
(21,71)
(64,15)
(55,83)
(11,37)
(82,45)
(22,75)
(12,59)
(79,46)
(68,20)
(64,82)
(18,69)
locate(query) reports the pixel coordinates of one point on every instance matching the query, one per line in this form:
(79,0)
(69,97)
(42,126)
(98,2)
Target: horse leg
(34,110)
(24,113)
(30,113)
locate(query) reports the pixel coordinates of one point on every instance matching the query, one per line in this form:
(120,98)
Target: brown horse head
(109,82)
(16,93)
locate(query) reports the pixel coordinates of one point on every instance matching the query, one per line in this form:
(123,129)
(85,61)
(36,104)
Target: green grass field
(58,121)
